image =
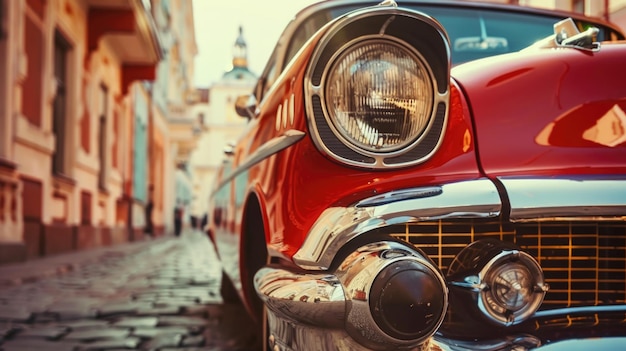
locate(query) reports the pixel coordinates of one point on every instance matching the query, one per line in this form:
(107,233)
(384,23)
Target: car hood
(543,111)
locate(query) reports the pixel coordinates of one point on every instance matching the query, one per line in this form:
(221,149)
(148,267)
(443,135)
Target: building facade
(172,131)
(215,110)
(77,122)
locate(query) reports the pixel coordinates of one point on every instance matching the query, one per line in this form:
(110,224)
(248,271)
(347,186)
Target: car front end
(411,205)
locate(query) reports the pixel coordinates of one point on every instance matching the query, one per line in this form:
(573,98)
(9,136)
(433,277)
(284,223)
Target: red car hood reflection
(587,126)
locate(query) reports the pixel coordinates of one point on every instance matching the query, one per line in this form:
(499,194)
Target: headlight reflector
(379,95)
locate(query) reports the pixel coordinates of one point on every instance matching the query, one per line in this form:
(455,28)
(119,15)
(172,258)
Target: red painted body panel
(536,114)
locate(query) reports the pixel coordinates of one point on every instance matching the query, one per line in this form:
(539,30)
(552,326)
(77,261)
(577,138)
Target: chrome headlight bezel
(416,36)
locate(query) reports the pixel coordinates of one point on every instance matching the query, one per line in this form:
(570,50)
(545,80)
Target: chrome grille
(584,262)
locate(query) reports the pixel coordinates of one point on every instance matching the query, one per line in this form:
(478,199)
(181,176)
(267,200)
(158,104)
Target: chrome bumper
(529,199)
(384,295)
(334,311)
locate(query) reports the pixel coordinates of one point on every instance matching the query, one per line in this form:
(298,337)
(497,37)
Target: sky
(217,25)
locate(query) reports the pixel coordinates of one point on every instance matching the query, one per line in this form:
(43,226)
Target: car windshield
(474,32)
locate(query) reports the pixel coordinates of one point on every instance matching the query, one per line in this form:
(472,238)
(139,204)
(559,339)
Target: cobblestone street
(160,294)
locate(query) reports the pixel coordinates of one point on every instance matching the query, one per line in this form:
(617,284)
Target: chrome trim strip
(587,310)
(572,198)
(337,226)
(273,146)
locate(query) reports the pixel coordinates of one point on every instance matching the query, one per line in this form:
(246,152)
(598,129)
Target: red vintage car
(431,175)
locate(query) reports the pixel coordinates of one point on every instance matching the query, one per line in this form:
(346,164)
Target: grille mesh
(584,262)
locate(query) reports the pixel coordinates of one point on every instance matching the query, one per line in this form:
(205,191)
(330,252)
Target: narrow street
(156,294)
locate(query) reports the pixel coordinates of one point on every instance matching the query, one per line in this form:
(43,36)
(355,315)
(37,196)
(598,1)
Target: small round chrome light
(508,294)
(379,95)
(508,282)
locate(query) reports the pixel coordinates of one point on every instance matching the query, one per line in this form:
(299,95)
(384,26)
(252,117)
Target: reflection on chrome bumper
(383,296)
(565,198)
(342,310)
(305,298)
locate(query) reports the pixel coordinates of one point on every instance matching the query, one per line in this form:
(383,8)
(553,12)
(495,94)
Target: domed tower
(240,51)
(240,71)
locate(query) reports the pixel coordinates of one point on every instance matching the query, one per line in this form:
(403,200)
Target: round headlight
(379,95)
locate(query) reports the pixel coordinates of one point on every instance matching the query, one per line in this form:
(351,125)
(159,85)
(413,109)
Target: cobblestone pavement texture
(158,294)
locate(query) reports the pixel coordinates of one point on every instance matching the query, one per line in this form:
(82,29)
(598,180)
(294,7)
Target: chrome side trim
(548,199)
(337,226)
(273,146)
(584,310)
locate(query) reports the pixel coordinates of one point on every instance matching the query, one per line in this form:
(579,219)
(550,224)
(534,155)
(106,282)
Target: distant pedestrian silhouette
(149,228)
(178,219)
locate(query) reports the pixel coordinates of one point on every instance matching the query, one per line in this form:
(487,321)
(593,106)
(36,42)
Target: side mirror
(229,149)
(567,34)
(245,105)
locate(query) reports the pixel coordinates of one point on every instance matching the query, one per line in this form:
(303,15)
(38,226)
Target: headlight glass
(379,95)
